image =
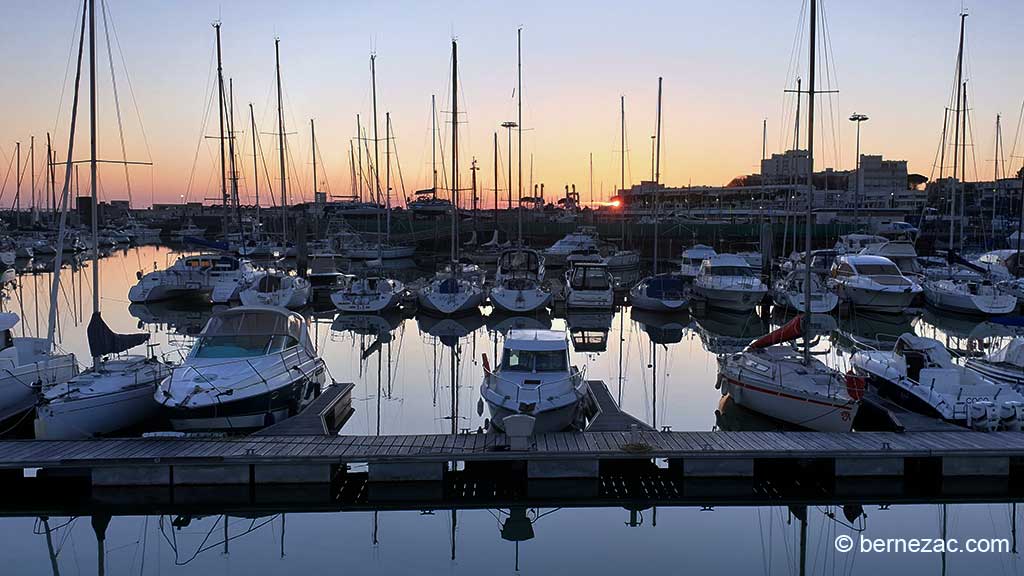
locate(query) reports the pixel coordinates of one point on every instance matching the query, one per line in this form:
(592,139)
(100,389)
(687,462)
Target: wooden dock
(610,418)
(326,414)
(318,458)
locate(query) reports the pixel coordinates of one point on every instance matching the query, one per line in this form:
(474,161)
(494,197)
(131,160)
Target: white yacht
(379,252)
(855,243)
(774,379)
(920,375)
(535,378)
(189,230)
(589,285)
(901,253)
(519,282)
(999,264)
(1003,366)
(873,283)
(582,240)
(660,293)
(218,275)
(969,297)
(788,292)
(26,365)
(275,288)
(366,293)
(692,258)
(111,396)
(252,366)
(727,281)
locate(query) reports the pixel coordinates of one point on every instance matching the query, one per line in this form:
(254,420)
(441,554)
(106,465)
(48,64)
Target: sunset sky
(725,65)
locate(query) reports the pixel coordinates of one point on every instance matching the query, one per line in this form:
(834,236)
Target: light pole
(508,126)
(858,118)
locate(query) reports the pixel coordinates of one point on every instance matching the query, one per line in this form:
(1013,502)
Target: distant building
(785,168)
(883,184)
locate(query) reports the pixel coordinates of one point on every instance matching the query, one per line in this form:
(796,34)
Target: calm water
(402,368)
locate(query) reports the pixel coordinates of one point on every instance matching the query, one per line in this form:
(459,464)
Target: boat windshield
(878,270)
(730,271)
(590,278)
(242,346)
(534,361)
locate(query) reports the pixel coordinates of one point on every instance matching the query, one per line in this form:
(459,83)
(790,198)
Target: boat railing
(532,392)
(264,378)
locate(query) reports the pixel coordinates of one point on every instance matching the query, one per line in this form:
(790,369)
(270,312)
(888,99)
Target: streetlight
(858,118)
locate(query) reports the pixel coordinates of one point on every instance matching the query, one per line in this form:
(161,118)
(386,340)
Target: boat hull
(877,300)
(519,301)
(556,420)
(735,300)
(792,407)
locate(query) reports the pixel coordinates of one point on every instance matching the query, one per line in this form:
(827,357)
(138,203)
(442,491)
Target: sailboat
(450,292)
(519,282)
(113,394)
(773,378)
(426,203)
(277,287)
(659,292)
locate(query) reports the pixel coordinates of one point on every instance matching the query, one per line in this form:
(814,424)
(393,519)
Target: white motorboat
(366,293)
(589,285)
(111,396)
(773,379)
(788,292)
(189,230)
(623,260)
(872,283)
(218,275)
(260,248)
(252,366)
(692,258)
(275,288)
(26,366)
(660,293)
(535,378)
(969,297)
(582,240)
(855,243)
(902,253)
(428,205)
(727,281)
(999,264)
(1002,366)
(379,251)
(920,375)
(519,282)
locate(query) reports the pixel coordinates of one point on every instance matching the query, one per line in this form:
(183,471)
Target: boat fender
(138,274)
(480,407)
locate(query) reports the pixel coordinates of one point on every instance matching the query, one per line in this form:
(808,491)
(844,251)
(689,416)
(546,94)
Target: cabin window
(878,269)
(535,361)
(730,271)
(6,341)
(844,270)
(233,346)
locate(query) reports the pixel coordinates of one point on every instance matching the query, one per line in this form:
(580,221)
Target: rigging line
(6,177)
(1017,132)
(398,165)
(128,81)
(202,129)
(117,104)
(67,68)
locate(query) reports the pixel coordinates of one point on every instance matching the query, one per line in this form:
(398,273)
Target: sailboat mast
(622,163)
(376,140)
(231,147)
(312,143)
(455,154)
(92,167)
(810,184)
(255,164)
(220,112)
(359,147)
(281,144)
(433,147)
(495,181)
(956,126)
(963,169)
(519,127)
(387,173)
(17,194)
(657,174)
(57,264)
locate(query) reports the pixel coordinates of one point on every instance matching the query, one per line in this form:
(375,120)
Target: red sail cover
(792,329)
